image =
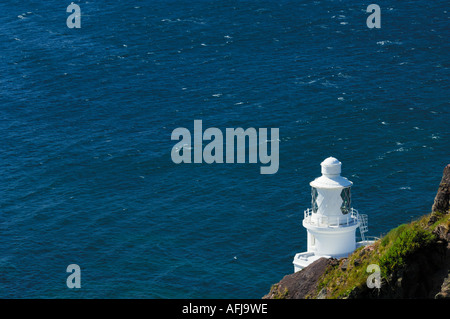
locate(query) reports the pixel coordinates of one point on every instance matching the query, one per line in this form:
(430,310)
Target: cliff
(413,261)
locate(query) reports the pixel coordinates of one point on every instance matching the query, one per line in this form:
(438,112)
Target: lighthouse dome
(331,175)
(331,166)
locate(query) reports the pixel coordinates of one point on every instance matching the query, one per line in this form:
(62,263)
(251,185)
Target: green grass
(401,243)
(277,294)
(391,253)
(339,283)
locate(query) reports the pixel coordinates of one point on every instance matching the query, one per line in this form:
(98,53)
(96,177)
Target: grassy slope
(390,252)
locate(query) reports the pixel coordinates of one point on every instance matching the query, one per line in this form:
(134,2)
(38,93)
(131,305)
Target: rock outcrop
(302,283)
(414,260)
(442,199)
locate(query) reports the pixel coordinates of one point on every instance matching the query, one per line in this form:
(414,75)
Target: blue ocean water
(86,117)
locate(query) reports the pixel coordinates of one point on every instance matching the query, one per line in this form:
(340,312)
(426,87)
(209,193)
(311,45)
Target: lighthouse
(331,222)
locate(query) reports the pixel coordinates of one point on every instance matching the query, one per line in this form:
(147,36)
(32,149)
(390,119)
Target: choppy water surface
(86,117)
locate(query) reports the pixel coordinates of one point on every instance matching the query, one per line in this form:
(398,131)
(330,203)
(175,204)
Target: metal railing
(334,221)
(363,226)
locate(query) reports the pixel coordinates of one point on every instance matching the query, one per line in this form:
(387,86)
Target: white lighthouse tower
(331,222)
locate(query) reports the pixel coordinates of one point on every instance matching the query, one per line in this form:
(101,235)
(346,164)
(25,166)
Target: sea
(87,115)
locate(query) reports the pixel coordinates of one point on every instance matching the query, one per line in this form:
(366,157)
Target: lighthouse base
(302,260)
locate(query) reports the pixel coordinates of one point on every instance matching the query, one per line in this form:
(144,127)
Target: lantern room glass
(346,200)
(314,205)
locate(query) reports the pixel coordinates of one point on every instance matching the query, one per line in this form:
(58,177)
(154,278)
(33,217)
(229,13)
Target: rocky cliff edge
(413,262)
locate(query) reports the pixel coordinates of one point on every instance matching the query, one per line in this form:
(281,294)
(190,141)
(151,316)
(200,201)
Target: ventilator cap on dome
(331,175)
(331,166)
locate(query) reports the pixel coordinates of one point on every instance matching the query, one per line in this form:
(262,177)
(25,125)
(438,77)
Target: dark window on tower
(314,194)
(346,200)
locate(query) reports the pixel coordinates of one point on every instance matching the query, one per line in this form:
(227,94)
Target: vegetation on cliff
(413,262)
(394,254)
